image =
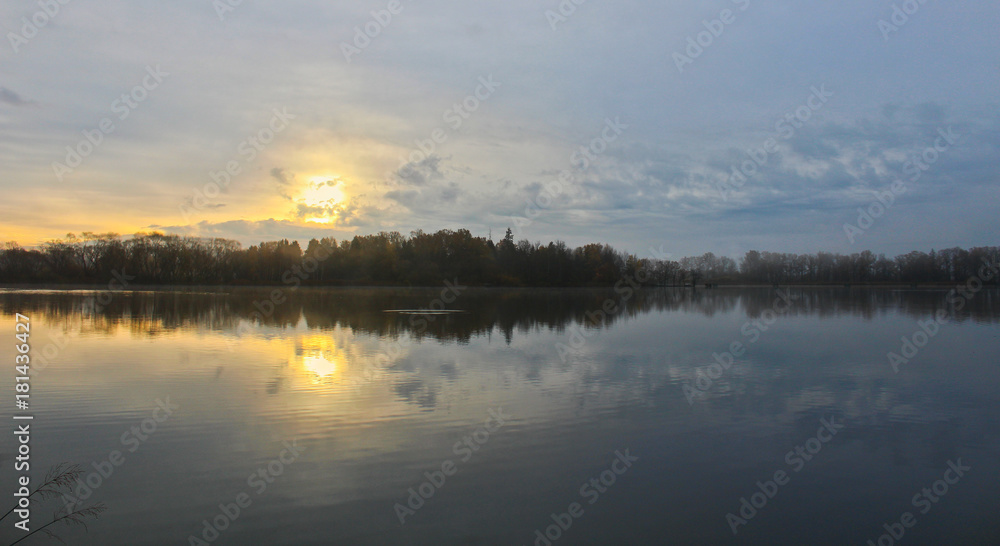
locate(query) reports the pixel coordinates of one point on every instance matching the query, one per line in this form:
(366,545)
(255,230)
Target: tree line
(426,259)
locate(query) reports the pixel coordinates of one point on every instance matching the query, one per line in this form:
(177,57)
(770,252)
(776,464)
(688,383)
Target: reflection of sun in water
(319,365)
(320,357)
(323,196)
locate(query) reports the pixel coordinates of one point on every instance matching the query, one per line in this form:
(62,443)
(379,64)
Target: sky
(665,128)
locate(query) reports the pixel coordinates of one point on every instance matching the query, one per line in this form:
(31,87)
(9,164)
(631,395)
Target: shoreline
(97,286)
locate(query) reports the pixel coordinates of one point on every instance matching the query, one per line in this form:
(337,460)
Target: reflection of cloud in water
(449,371)
(415,390)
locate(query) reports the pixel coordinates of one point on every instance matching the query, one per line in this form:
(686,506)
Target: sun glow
(322,190)
(321,199)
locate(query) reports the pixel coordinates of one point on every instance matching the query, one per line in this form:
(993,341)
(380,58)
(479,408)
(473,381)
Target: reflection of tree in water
(487,311)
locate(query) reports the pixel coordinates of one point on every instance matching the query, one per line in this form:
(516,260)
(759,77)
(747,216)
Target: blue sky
(472,116)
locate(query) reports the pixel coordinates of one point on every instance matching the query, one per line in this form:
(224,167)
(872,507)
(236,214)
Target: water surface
(324,409)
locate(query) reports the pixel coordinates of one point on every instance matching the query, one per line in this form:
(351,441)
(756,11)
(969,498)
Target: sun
(321,198)
(321,190)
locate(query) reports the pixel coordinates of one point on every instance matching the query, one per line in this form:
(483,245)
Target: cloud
(328,182)
(407,198)
(420,173)
(9,97)
(930,113)
(450,193)
(304,211)
(253,231)
(279,174)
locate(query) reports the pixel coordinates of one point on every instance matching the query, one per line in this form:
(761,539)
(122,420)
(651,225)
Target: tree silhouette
(423,259)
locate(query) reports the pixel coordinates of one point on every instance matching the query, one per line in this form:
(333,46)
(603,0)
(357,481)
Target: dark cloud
(330,182)
(335,213)
(420,173)
(810,144)
(279,174)
(930,113)
(451,193)
(407,198)
(307,210)
(9,97)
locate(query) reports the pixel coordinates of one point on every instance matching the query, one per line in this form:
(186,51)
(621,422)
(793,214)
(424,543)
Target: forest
(427,259)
